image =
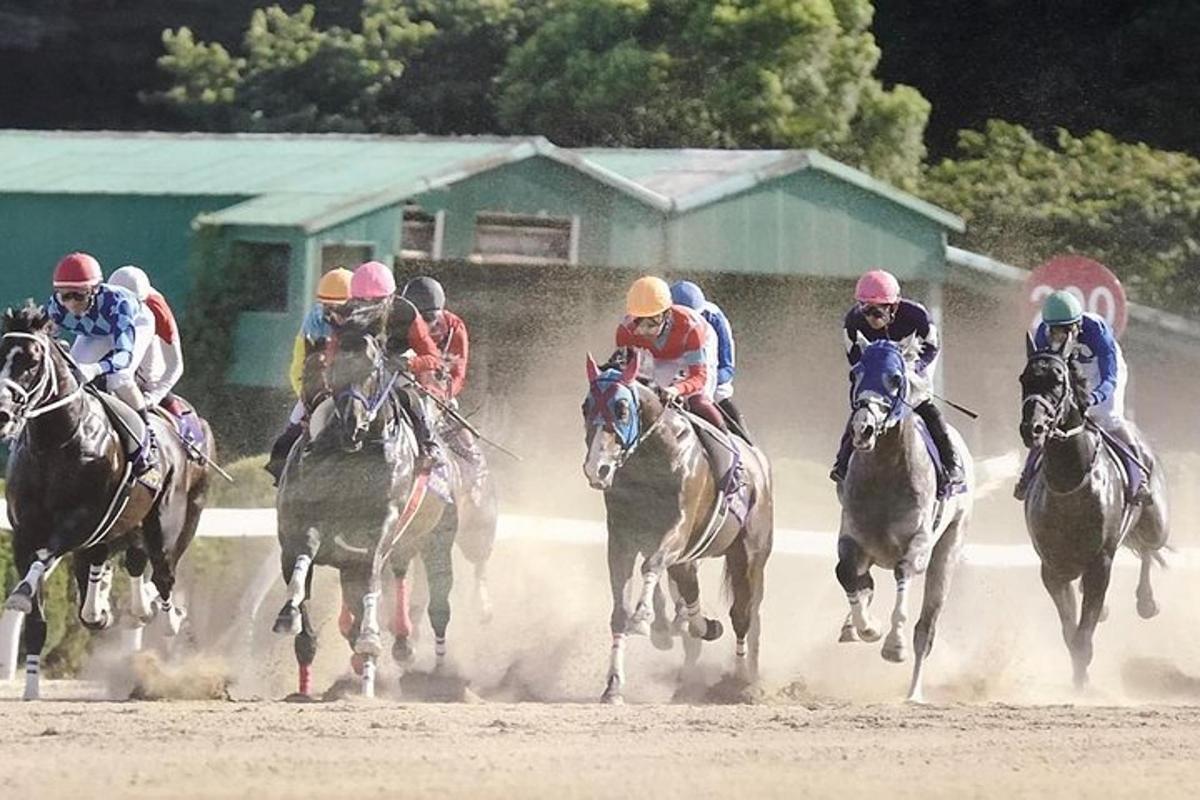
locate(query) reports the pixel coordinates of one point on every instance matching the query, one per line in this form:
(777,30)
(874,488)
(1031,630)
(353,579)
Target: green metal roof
(689,179)
(315,181)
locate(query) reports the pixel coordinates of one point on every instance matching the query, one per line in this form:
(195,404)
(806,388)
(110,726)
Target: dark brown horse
(660,493)
(351,498)
(69,491)
(1077,509)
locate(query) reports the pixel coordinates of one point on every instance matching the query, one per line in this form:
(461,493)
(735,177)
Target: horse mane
(28,318)
(1080,391)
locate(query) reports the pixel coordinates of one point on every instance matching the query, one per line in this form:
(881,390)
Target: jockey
(449,332)
(680,341)
(686,293)
(374,288)
(333,292)
(163,366)
(880,313)
(113,332)
(1096,350)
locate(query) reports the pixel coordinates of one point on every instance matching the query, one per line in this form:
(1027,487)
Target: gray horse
(1077,509)
(891,514)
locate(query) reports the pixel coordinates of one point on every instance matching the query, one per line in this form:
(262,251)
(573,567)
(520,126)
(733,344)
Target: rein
(627,452)
(1057,410)
(34,400)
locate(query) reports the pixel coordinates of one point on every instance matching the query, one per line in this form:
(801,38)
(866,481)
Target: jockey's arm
(1098,336)
(426,357)
(696,373)
(167,331)
(120,315)
(927,333)
(850,330)
(726,352)
(458,351)
(296,368)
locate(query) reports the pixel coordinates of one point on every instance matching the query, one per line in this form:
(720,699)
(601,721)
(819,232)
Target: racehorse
(1077,509)
(666,502)
(351,498)
(69,490)
(891,513)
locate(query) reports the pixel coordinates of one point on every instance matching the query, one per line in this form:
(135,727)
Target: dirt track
(348,749)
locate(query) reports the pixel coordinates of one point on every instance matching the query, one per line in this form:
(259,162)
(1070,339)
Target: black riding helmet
(425,293)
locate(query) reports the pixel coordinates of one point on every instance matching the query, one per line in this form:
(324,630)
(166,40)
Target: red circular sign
(1092,282)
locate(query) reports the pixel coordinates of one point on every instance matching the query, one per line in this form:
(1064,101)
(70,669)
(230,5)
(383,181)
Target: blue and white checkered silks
(115,332)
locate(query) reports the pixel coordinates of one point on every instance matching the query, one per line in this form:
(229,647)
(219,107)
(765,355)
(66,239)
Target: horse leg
(296,562)
(164,573)
(439,574)
(1147,606)
(660,629)
(621,558)
(1063,594)
(1094,584)
(937,585)
(94,575)
(483,598)
(34,639)
(353,585)
(305,647)
(141,591)
(744,575)
(854,574)
(402,625)
(894,648)
(368,645)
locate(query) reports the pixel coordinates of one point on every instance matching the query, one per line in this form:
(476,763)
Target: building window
(421,234)
(344,255)
(264,267)
(525,239)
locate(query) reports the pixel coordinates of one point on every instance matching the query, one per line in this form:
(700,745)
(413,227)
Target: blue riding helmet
(686,293)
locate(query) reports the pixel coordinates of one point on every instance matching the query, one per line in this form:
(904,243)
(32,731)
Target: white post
(10,642)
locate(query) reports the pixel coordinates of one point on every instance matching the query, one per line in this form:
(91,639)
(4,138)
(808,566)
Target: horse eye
(622,410)
(894,381)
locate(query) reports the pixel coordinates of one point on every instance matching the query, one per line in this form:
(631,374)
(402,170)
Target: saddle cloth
(734,494)
(944,490)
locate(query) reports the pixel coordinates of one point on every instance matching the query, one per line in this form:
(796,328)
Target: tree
(715,73)
(1134,208)
(295,76)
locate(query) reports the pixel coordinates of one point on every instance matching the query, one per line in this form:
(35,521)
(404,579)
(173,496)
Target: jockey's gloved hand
(1094,399)
(668,394)
(401,362)
(89,372)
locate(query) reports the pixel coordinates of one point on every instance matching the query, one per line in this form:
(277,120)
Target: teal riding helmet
(1062,308)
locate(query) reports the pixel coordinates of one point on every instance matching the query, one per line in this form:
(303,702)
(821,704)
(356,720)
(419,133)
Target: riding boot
(145,458)
(430,451)
(1031,462)
(734,417)
(936,424)
(1141,493)
(842,462)
(281,448)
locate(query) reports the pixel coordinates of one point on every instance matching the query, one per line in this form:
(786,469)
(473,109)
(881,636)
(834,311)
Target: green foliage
(295,76)
(252,486)
(1134,208)
(716,73)
(66,639)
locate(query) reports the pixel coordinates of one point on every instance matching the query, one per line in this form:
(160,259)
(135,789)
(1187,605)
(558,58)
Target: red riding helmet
(878,286)
(77,271)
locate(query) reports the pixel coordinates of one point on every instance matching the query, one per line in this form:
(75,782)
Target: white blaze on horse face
(601,463)
(865,426)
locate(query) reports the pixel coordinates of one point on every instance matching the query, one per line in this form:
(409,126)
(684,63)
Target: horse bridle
(600,399)
(1056,410)
(32,401)
(371,405)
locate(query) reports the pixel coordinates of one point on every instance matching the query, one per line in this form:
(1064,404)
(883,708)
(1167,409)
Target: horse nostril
(603,471)
(868,430)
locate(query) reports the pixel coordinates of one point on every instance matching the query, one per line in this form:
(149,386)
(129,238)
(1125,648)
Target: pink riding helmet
(878,286)
(372,281)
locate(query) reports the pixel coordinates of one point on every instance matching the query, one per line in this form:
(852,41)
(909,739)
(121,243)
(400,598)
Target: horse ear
(1030,347)
(632,368)
(862,341)
(593,371)
(909,347)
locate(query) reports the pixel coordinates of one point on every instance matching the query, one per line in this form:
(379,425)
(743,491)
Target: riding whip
(459,418)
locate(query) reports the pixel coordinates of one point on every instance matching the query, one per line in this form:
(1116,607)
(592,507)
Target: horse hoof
(288,621)
(369,644)
(848,634)
(870,634)
(174,619)
(1147,608)
(893,651)
(612,698)
(660,637)
(713,630)
(101,623)
(402,652)
(21,599)
(299,697)
(1103,614)
(639,628)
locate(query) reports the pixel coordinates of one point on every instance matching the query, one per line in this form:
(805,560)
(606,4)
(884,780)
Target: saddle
(733,491)
(131,433)
(944,489)
(186,424)
(1131,463)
